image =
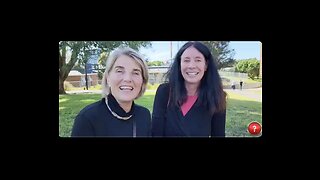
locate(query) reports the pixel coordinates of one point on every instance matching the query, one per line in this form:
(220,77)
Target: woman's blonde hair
(112,59)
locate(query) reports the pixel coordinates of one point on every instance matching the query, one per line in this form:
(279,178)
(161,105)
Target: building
(157,74)
(78,80)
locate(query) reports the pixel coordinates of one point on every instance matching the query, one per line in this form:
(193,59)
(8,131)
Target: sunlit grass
(240,111)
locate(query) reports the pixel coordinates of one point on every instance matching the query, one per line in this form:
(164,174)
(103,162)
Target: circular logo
(254,128)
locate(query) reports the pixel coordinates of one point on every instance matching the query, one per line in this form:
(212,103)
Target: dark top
(241,83)
(96,120)
(197,121)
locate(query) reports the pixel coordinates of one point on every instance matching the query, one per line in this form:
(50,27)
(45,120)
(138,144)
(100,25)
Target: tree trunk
(61,86)
(64,68)
(86,75)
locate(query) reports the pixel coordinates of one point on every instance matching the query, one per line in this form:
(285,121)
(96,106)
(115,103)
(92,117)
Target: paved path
(250,93)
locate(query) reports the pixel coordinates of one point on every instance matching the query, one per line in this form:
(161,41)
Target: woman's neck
(192,89)
(126,106)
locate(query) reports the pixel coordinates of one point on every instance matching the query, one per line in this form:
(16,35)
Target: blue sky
(161,50)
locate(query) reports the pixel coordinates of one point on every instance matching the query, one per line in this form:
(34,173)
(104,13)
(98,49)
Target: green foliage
(102,62)
(253,69)
(103,58)
(82,50)
(87,48)
(250,66)
(220,50)
(241,66)
(155,63)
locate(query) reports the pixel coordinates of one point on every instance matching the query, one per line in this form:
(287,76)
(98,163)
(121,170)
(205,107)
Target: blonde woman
(125,79)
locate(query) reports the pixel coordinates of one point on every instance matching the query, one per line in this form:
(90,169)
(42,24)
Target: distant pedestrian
(233,85)
(241,84)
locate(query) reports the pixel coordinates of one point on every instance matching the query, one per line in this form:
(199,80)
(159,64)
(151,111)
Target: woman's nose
(191,64)
(127,77)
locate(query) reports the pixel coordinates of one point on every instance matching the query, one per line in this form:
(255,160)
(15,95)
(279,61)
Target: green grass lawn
(240,111)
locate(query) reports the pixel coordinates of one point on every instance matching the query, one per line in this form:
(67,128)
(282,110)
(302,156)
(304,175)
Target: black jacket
(196,123)
(96,120)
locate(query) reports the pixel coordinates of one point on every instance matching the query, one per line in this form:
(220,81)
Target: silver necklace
(115,114)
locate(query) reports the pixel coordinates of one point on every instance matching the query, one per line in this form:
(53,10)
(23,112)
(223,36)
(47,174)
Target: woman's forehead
(126,62)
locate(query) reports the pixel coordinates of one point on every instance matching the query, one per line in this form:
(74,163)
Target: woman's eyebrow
(137,70)
(120,67)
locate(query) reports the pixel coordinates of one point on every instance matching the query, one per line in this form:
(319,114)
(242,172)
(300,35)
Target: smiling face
(125,79)
(193,66)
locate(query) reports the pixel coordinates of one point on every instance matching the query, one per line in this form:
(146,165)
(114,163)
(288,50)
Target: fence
(233,74)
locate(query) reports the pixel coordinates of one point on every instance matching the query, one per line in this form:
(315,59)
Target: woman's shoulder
(142,111)
(164,87)
(140,108)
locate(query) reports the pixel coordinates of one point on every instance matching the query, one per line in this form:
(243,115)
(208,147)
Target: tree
(242,66)
(102,62)
(253,69)
(220,50)
(155,63)
(78,67)
(81,50)
(249,66)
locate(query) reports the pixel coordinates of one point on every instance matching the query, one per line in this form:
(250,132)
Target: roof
(77,73)
(74,73)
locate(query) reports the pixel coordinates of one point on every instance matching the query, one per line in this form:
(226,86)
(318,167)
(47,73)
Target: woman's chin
(126,97)
(192,81)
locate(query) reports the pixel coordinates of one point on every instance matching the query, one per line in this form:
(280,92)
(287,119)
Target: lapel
(181,121)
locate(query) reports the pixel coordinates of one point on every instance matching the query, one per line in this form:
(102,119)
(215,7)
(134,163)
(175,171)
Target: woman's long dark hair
(210,92)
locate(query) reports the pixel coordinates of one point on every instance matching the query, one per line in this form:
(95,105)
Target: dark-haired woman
(192,103)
